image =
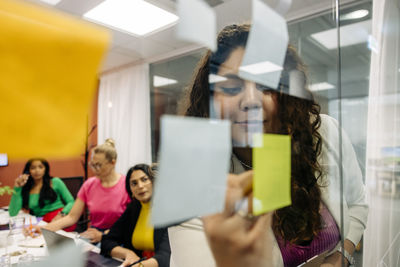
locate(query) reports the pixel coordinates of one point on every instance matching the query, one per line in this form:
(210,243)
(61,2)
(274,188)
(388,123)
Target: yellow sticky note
(272,171)
(48,75)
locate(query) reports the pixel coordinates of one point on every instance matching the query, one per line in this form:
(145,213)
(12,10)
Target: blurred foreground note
(65,255)
(272,171)
(266,46)
(197,23)
(48,75)
(194,163)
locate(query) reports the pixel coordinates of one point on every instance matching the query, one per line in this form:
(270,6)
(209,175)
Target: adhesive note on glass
(48,75)
(272,171)
(194,162)
(64,255)
(283,6)
(266,46)
(197,23)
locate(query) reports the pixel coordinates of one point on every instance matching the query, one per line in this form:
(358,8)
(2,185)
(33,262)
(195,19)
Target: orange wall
(58,168)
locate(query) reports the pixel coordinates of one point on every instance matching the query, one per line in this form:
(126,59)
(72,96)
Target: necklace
(248,167)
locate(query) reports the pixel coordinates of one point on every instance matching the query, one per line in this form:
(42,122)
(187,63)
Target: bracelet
(141,264)
(348,256)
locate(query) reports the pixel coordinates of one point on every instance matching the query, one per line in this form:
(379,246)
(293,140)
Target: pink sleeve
(82,193)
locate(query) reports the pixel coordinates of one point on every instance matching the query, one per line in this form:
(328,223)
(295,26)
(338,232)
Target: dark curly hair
(148,170)
(47,193)
(298,118)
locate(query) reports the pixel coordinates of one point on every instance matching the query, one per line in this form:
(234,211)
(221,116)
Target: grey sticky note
(194,162)
(283,6)
(266,46)
(65,256)
(197,23)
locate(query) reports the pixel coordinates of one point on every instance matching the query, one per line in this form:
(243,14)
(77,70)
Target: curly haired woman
(312,224)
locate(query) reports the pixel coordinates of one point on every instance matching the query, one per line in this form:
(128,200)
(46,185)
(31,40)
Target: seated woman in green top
(39,193)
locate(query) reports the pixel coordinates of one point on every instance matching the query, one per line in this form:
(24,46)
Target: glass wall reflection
(168,80)
(355,80)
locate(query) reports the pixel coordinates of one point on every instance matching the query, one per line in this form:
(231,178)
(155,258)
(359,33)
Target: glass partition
(382,237)
(315,39)
(168,80)
(344,137)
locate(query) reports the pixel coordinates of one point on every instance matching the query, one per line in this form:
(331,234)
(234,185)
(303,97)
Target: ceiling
(128,49)
(321,62)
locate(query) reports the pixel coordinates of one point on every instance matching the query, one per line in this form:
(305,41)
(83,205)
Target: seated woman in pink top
(104,195)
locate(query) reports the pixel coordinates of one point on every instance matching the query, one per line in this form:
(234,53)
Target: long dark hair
(47,193)
(148,170)
(298,118)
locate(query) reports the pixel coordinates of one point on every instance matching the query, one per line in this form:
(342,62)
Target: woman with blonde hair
(104,195)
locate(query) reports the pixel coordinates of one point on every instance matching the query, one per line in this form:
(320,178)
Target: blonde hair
(108,148)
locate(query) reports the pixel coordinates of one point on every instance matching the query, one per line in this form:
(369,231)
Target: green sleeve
(16,202)
(64,194)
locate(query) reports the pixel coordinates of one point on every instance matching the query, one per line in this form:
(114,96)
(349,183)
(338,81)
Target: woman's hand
(130,258)
(93,235)
(123,253)
(21,180)
(32,231)
(234,239)
(335,259)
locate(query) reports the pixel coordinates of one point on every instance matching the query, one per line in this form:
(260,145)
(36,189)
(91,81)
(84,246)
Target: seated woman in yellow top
(132,237)
(44,196)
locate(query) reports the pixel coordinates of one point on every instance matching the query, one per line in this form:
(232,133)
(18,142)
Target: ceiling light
(109,104)
(213,78)
(51,2)
(132,16)
(159,81)
(352,34)
(321,86)
(358,14)
(261,67)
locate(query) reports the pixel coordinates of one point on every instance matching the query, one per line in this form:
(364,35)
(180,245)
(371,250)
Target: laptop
(54,240)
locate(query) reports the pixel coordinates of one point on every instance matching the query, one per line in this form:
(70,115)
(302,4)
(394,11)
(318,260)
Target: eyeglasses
(96,165)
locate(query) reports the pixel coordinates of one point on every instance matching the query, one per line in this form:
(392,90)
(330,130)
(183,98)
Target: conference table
(17,248)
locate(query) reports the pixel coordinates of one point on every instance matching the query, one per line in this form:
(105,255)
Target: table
(20,245)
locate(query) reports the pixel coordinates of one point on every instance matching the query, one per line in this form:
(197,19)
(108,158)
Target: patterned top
(327,239)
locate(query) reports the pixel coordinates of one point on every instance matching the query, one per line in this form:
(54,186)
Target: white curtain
(382,236)
(124,115)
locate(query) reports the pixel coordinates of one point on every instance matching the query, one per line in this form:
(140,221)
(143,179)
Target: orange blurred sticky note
(49,63)
(272,171)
